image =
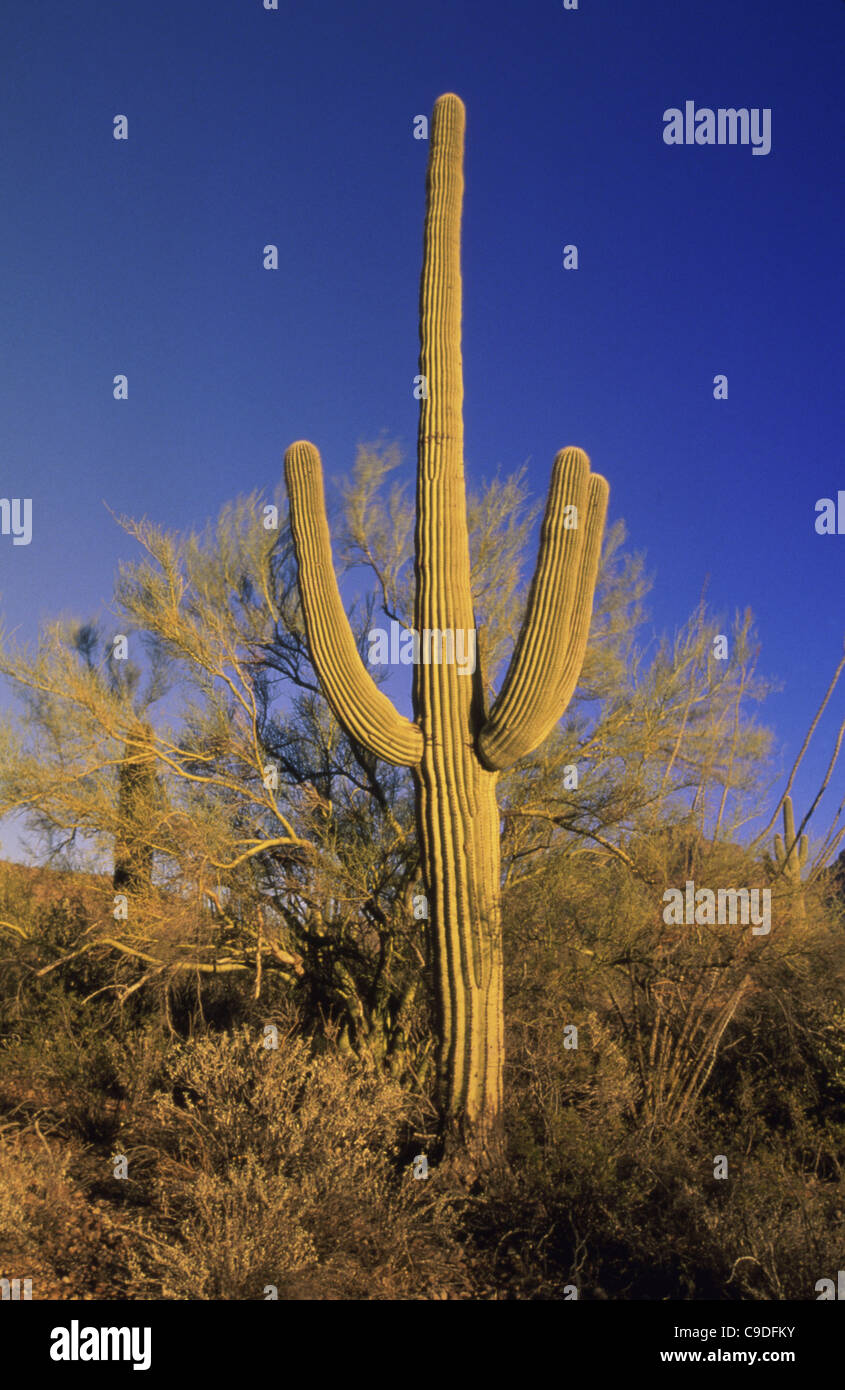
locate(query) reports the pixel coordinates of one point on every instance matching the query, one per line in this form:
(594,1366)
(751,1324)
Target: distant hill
(40,885)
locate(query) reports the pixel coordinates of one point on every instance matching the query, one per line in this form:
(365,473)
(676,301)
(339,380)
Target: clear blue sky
(294,126)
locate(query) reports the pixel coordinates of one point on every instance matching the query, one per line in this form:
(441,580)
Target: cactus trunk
(791,856)
(457,815)
(453,746)
(458,824)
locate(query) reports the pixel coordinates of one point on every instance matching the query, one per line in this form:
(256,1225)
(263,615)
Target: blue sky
(294,127)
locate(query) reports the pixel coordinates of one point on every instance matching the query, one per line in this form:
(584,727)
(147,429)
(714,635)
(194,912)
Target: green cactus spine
(454,748)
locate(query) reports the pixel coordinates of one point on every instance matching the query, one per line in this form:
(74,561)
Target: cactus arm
(361,708)
(550,650)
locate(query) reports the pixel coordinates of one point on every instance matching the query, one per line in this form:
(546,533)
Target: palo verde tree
(454,745)
(284,853)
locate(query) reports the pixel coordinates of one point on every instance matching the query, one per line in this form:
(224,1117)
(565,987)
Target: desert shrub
(619,1197)
(70,1068)
(274,1162)
(35,1193)
(228,1235)
(783,1228)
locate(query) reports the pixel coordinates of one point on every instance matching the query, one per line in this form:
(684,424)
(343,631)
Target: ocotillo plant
(454,747)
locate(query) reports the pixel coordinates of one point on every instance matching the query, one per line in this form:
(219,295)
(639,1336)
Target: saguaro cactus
(133,857)
(454,747)
(791,854)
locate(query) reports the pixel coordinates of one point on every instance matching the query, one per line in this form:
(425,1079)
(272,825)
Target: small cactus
(133,855)
(790,855)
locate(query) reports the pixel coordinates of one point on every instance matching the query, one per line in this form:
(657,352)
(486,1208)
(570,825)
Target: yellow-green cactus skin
(453,746)
(790,854)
